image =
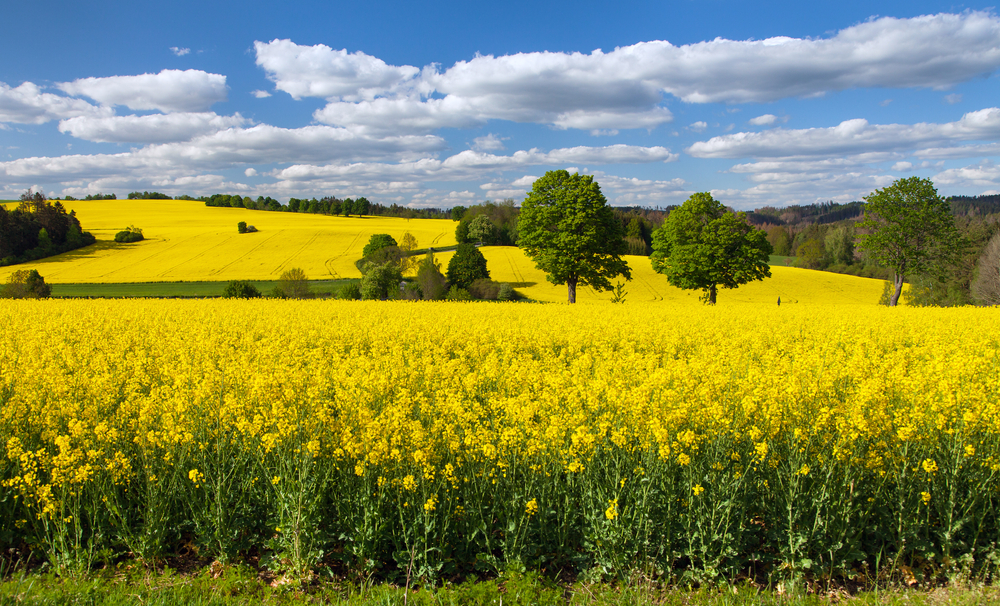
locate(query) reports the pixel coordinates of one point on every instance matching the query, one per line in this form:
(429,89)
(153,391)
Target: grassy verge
(781,260)
(238,586)
(319,288)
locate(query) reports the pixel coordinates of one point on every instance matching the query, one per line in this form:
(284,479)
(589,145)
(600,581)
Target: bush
(241,227)
(129,234)
(294,283)
(466,266)
(241,289)
(458,294)
(350,292)
(26,284)
(376,243)
(484,289)
(432,283)
(381,282)
(506,293)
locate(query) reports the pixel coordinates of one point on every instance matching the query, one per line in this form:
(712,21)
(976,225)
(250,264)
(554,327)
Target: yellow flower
(925,497)
(409,484)
(697,489)
(612,511)
(683,459)
(431,504)
(929,465)
(804,470)
(531,507)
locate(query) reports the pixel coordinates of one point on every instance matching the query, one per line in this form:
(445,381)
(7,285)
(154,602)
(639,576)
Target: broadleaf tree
(567,228)
(702,245)
(911,230)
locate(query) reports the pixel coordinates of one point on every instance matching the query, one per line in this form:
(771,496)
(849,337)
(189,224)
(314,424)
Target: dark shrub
(241,289)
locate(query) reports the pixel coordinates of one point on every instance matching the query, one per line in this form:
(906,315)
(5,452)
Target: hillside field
(187,241)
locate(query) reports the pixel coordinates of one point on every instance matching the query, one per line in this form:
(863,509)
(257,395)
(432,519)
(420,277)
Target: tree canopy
(466,266)
(911,230)
(570,232)
(703,246)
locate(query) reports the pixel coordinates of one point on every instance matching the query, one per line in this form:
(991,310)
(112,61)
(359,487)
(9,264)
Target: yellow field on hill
(188,241)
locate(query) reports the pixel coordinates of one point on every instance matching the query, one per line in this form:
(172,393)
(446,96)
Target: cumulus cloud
(953,99)
(320,71)
(260,94)
(984,174)
(765,120)
(902,166)
(179,51)
(261,144)
(27,104)
(849,137)
(155,128)
(625,87)
(250,172)
(489,142)
(171,90)
(698,127)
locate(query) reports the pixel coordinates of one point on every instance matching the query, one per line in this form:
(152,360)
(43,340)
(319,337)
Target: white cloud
(155,128)
(180,52)
(959,151)
(698,127)
(250,172)
(171,90)
(27,104)
(320,71)
(984,174)
(765,120)
(902,166)
(260,94)
(258,145)
(953,99)
(625,87)
(489,142)
(849,137)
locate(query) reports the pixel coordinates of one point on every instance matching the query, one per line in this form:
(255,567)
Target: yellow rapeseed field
(685,442)
(188,241)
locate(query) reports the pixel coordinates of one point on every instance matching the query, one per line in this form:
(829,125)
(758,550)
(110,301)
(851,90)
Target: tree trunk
(711,295)
(897,281)
(571,285)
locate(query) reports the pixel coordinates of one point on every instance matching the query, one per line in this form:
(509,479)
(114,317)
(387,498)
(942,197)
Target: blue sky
(444,103)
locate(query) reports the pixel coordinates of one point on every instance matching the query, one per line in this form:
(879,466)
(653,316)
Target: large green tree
(570,232)
(703,246)
(910,230)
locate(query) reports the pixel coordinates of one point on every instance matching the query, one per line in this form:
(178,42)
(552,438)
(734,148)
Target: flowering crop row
(695,443)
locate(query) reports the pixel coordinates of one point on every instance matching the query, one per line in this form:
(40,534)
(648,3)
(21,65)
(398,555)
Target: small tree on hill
(702,246)
(376,243)
(294,284)
(406,247)
(466,266)
(482,230)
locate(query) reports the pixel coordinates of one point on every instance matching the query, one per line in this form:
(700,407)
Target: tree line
(38,228)
(328,205)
